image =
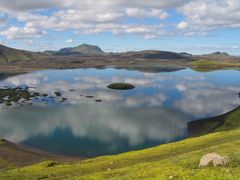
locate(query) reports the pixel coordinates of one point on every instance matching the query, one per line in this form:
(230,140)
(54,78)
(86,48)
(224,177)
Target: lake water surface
(94,120)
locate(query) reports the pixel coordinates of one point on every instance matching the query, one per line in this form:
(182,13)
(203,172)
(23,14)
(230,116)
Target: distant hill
(9,55)
(48,52)
(153,54)
(83,49)
(219,56)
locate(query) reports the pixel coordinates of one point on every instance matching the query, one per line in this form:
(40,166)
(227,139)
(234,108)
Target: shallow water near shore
(76,114)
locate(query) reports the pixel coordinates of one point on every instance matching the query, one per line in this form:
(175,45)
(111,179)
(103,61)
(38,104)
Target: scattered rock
(213,159)
(121,86)
(63,99)
(90,97)
(10,96)
(98,100)
(57,93)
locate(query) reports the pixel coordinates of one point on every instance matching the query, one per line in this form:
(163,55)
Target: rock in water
(215,159)
(57,93)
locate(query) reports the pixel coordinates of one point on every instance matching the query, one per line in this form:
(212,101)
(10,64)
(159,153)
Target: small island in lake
(121,86)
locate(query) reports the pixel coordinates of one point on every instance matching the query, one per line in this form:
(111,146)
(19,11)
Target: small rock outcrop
(213,159)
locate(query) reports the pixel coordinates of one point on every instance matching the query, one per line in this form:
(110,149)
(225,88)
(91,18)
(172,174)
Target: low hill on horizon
(155,54)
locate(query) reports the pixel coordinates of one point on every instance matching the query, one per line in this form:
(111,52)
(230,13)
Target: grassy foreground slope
(171,161)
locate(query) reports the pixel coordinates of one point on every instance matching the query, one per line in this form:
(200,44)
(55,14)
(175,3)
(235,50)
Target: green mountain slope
(8,55)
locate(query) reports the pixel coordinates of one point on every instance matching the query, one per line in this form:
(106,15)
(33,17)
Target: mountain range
(11,55)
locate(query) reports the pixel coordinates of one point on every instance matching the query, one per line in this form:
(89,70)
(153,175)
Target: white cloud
(86,16)
(142,13)
(182,25)
(25,32)
(28,5)
(144,31)
(69,41)
(152,3)
(25,5)
(207,15)
(92,17)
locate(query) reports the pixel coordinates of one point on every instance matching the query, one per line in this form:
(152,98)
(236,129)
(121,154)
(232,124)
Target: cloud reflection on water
(99,122)
(157,110)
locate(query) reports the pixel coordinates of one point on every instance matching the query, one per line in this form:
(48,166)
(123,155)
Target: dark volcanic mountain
(83,49)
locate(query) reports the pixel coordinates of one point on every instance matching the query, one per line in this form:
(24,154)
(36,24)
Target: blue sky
(194,26)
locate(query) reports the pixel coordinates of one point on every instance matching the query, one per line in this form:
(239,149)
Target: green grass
(232,122)
(176,160)
(205,65)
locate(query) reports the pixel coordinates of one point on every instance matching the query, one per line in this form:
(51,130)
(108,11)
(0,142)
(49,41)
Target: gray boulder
(215,159)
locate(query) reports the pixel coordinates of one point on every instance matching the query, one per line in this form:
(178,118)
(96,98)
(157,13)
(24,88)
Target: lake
(87,119)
